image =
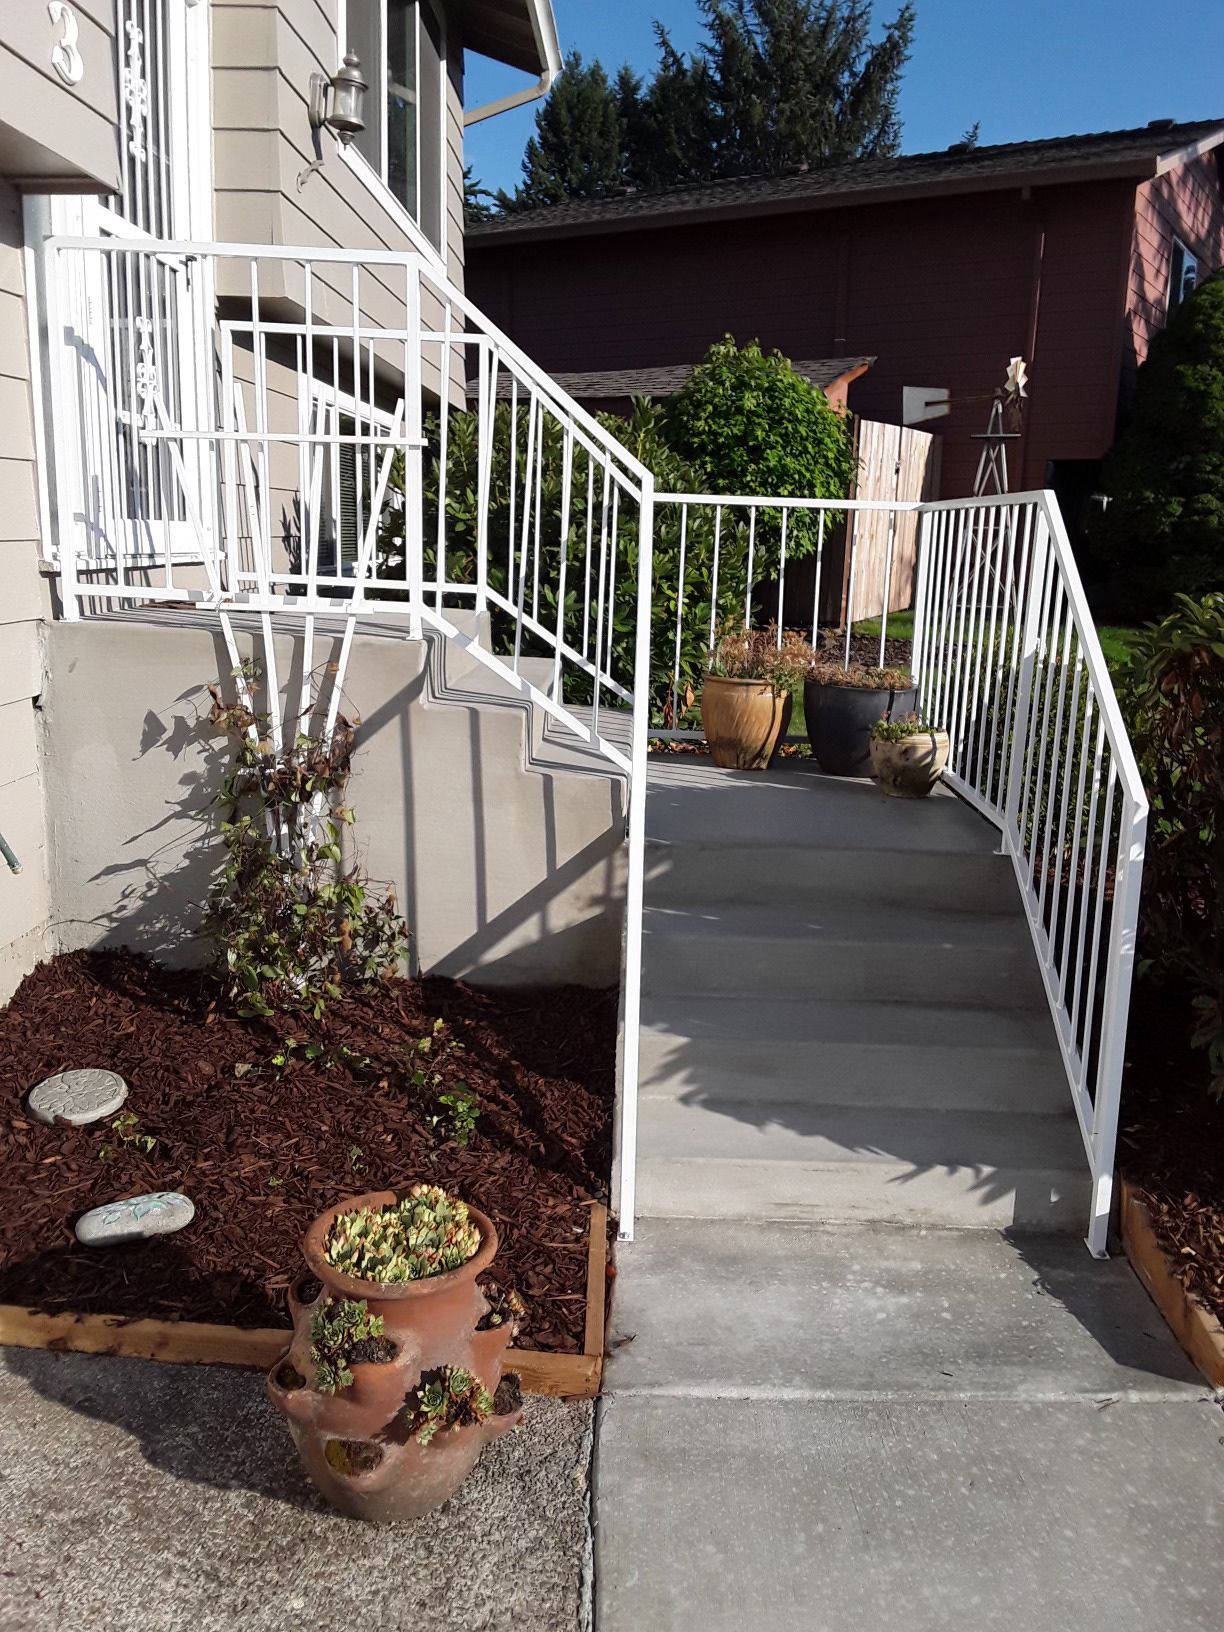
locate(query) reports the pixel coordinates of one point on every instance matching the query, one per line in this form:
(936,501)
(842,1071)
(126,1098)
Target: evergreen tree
(478,201)
(1163,530)
(577,149)
(777,84)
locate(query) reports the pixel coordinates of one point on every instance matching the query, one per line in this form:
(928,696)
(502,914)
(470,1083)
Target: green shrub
(752,425)
(1176,705)
(1163,530)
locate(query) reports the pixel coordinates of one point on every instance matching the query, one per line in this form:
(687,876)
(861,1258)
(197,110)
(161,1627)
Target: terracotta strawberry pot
(743,721)
(909,769)
(357,1444)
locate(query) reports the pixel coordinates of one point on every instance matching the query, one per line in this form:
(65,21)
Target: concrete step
(866,953)
(837,1164)
(679,873)
(727,1049)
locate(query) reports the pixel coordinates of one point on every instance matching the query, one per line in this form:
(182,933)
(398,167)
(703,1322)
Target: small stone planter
(839,721)
(743,721)
(909,769)
(357,1444)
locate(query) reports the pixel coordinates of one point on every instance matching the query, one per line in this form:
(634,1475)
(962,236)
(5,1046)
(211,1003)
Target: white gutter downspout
(544,27)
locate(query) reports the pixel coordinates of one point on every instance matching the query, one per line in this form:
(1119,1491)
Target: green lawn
(1116,642)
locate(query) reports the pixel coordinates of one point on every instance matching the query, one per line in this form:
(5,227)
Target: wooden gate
(896,463)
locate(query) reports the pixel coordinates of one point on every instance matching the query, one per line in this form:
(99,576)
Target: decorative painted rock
(78,1096)
(136,1220)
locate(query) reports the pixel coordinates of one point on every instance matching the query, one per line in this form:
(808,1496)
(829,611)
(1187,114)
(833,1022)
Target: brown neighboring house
(941,266)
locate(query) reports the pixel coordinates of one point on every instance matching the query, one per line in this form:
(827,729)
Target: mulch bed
(262,1149)
(1171,1142)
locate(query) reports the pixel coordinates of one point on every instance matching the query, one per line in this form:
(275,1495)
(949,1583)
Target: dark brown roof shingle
(1053,159)
(604,384)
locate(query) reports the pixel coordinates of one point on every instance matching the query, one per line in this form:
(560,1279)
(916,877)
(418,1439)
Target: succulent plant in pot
(908,756)
(746,695)
(840,706)
(392,1385)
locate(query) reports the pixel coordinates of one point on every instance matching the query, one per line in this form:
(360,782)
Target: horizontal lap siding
(1183,204)
(263,54)
(75,122)
(24,899)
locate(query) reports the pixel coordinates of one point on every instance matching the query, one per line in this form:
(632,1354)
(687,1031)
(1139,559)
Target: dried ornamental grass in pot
(392,1385)
(746,697)
(907,757)
(840,706)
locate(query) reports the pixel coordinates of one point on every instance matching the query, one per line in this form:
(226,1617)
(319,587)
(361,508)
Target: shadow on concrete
(182,1417)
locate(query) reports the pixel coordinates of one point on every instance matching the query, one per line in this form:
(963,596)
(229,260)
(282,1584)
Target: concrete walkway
(162,1498)
(870,1429)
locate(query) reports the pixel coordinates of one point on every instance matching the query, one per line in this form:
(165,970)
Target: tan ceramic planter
(353,1444)
(743,721)
(911,768)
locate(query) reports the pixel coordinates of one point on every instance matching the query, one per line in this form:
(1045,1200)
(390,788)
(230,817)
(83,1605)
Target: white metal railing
(302,433)
(285,432)
(1009,663)
(762,557)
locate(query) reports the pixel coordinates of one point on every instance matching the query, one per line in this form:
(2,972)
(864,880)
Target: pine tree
(672,126)
(577,149)
(801,82)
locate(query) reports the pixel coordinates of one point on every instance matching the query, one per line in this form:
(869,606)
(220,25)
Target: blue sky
(1023,67)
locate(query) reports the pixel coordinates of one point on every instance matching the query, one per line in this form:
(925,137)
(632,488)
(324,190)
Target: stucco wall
(24,900)
(508,873)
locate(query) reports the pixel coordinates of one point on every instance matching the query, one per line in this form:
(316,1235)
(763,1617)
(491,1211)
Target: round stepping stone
(78,1097)
(161,1213)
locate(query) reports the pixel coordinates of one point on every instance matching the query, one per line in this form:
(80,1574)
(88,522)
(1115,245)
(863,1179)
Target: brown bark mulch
(261,1149)
(1171,1142)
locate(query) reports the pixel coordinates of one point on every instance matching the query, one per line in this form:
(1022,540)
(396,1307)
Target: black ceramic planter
(839,721)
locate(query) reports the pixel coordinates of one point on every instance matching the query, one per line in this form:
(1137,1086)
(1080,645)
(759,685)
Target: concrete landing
(139,1497)
(851,1428)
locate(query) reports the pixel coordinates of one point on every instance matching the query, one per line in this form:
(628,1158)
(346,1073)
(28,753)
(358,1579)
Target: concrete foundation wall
(508,873)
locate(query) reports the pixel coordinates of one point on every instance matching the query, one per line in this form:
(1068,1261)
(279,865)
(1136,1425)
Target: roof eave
(1143,168)
(544,57)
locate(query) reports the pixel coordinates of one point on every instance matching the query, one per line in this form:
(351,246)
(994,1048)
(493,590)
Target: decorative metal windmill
(922,403)
(1004,427)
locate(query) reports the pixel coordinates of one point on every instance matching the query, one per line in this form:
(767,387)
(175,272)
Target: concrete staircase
(842,1014)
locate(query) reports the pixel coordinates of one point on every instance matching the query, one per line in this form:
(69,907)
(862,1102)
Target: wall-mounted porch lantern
(339,102)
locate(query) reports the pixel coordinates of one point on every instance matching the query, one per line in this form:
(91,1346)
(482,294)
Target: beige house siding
(263,54)
(53,134)
(24,898)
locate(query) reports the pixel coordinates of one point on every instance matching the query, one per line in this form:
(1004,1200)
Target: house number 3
(65,58)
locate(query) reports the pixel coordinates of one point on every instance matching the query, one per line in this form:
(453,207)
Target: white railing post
(631,1007)
(1029,641)
(486,420)
(414,461)
(917,650)
(1119,975)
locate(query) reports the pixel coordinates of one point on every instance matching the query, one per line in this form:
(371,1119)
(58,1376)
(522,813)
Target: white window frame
(1177,287)
(376,107)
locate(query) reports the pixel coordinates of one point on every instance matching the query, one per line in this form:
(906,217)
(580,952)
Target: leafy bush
(752,425)
(292,926)
(758,654)
(1163,531)
(1176,707)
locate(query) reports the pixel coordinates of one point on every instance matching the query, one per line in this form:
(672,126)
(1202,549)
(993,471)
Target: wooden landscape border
(184,1342)
(1190,1321)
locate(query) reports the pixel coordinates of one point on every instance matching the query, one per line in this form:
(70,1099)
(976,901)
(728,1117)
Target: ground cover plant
(263,1148)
